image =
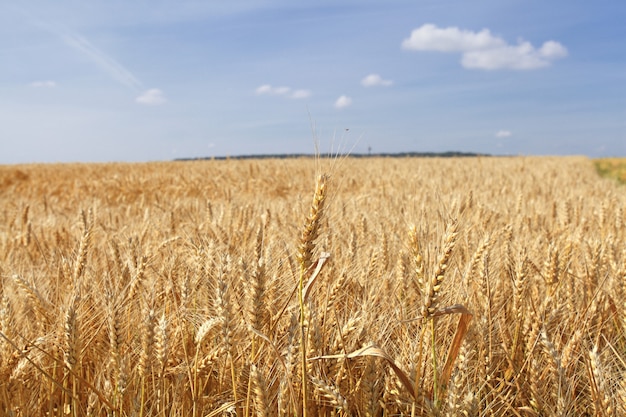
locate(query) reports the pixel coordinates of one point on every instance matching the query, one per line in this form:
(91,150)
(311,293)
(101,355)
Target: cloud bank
(483,50)
(503,133)
(267,89)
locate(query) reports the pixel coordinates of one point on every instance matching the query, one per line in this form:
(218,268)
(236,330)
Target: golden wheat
(194,288)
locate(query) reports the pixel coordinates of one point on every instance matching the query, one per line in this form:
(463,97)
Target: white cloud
(373,80)
(43,84)
(521,57)
(282,91)
(432,38)
(264,89)
(503,133)
(277,91)
(552,49)
(482,50)
(343,102)
(152,97)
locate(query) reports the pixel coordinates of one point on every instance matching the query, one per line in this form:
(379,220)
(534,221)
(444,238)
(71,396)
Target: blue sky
(126,80)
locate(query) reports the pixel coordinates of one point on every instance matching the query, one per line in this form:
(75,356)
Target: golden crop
(365,287)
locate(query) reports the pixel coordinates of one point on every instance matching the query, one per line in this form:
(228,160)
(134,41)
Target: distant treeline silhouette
(448,154)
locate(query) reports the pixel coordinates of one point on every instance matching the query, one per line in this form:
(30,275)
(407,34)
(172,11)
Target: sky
(138,80)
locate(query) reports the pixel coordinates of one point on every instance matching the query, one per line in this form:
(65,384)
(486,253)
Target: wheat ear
(81,259)
(432,295)
(70,355)
(310,232)
(332,394)
(599,393)
(434,285)
(145,357)
(260,392)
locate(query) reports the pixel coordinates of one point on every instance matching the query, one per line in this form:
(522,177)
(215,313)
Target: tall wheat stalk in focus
(306,247)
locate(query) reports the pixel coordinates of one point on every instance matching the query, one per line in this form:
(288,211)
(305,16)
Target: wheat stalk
(306,246)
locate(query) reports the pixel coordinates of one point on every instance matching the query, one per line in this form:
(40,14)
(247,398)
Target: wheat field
(313,287)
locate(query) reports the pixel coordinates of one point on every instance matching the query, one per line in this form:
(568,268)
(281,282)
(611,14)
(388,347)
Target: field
(415,287)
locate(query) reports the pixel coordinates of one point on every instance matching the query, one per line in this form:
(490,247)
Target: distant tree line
(448,154)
